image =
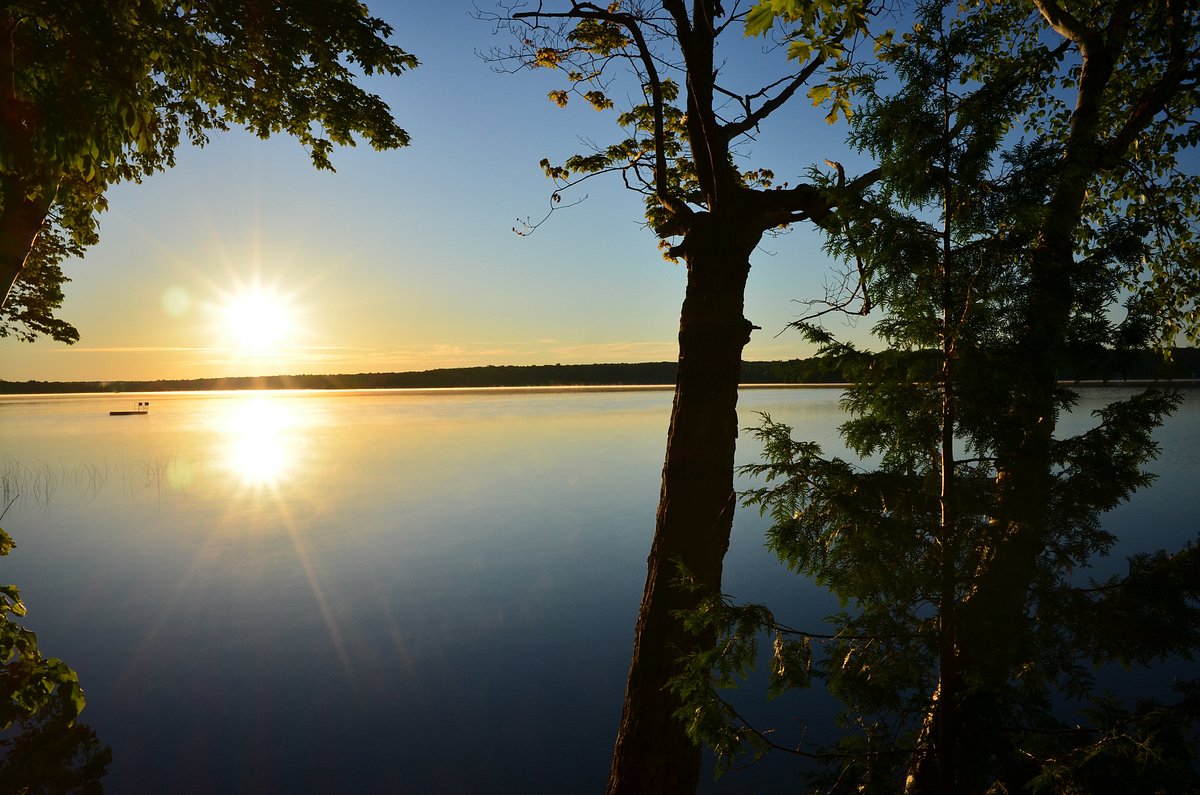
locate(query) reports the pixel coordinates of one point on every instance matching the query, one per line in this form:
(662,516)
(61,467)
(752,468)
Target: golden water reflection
(261,440)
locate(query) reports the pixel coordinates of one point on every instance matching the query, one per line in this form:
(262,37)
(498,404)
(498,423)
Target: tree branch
(1160,93)
(629,22)
(780,207)
(1064,23)
(770,106)
(679,14)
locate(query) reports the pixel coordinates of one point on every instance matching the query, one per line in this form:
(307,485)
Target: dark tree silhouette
(709,213)
(955,554)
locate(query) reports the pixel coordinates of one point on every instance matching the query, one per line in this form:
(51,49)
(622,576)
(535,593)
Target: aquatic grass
(37,483)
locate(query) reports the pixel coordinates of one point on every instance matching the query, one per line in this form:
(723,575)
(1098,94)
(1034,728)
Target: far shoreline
(1141,368)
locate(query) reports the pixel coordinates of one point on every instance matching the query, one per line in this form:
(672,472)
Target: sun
(257,319)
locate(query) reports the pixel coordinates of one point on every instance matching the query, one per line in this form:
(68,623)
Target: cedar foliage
(950,659)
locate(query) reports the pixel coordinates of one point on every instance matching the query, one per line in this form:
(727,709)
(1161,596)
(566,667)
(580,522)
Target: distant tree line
(1089,365)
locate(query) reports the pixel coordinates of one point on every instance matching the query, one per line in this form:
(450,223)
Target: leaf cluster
(650,51)
(821,32)
(1144,748)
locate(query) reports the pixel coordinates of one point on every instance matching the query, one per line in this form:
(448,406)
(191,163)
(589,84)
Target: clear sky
(406,260)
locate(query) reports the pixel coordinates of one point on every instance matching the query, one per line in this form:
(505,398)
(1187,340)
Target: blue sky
(406,260)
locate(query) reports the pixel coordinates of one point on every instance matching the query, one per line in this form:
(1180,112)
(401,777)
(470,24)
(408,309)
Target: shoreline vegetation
(1146,366)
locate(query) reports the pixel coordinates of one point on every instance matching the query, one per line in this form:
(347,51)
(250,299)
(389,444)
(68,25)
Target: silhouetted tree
(710,213)
(963,622)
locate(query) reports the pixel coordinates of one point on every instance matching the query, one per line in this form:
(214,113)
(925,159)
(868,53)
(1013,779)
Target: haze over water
(388,591)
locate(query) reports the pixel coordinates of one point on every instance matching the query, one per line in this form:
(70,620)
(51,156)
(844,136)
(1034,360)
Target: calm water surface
(387,591)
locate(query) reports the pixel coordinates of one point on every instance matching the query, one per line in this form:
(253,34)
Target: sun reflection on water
(260,448)
(266,448)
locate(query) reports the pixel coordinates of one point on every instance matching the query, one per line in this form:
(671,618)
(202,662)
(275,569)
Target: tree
(710,213)
(94,93)
(1116,201)
(964,622)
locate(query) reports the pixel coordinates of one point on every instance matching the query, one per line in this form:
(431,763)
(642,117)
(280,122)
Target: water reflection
(403,574)
(48,752)
(265,440)
(261,441)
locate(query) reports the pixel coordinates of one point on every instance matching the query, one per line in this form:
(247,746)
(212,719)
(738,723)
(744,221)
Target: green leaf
(760,18)
(799,50)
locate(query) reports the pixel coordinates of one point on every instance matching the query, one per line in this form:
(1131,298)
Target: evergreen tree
(918,548)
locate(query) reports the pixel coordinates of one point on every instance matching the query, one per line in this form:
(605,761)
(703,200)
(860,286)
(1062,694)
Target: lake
(390,591)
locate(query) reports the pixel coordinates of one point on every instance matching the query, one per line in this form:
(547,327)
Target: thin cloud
(132,349)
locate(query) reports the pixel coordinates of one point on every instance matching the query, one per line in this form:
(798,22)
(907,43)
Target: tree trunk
(21,221)
(26,192)
(994,616)
(653,753)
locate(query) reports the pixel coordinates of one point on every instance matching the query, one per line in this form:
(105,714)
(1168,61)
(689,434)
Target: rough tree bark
(720,218)
(695,511)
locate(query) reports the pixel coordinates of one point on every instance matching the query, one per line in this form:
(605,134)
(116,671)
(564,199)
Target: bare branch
(745,99)
(529,227)
(770,106)
(798,749)
(838,300)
